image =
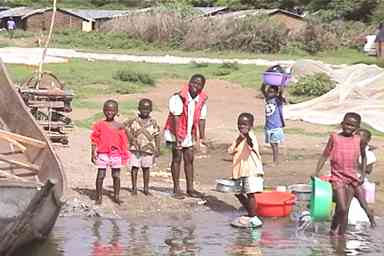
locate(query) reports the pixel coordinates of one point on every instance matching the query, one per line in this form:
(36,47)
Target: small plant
(199,64)
(230,65)
(312,85)
(134,77)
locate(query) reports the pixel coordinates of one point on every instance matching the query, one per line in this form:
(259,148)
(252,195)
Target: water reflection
(111,248)
(182,241)
(203,234)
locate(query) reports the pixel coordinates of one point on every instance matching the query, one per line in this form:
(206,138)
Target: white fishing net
(360,88)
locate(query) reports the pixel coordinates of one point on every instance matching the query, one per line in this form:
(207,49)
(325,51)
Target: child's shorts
(104,161)
(141,160)
(251,184)
(275,135)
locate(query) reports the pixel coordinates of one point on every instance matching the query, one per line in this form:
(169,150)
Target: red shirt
(344,153)
(109,140)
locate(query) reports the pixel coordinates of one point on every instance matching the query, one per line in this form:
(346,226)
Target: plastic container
(369,188)
(276,79)
(321,199)
(274,204)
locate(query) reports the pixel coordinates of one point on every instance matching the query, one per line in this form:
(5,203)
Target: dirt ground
(226,100)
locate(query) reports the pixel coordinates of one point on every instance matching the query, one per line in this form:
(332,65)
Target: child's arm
(95,137)
(281,95)
(263,90)
(324,157)
(93,153)
(157,142)
(363,168)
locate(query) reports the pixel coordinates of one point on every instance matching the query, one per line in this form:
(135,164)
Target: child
(186,123)
(144,137)
(247,165)
(274,121)
(366,136)
(344,150)
(109,149)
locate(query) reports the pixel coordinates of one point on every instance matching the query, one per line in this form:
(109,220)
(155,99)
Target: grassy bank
(120,43)
(89,79)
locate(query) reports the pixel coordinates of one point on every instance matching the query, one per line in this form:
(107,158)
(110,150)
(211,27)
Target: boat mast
(40,72)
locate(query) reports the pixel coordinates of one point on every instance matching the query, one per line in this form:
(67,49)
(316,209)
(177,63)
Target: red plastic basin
(274,204)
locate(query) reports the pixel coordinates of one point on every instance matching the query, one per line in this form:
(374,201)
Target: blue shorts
(275,135)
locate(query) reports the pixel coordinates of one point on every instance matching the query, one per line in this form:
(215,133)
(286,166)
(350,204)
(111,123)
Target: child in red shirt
(344,150)
(109,149)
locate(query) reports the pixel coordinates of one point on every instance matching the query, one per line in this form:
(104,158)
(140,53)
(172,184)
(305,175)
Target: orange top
(246,160)
(109,140)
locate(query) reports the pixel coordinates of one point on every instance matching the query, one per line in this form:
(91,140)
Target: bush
(134,77)
(312,85)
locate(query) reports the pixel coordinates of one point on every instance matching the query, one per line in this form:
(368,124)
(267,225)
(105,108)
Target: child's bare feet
(178,195)
(147,193)
(195,194)
(118,201)
(98,201)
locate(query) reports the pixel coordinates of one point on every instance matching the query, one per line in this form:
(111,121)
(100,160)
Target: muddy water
(204,233)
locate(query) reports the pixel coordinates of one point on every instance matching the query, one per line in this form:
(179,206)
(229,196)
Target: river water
(203,233)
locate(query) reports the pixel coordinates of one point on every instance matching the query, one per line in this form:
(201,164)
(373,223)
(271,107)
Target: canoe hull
(16,118)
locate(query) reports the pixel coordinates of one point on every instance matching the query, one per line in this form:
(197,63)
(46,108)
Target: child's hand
(249,140)
(93,159)
(157,153)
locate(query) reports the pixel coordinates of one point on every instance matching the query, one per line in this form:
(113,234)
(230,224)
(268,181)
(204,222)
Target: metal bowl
(227,185)
(302,192)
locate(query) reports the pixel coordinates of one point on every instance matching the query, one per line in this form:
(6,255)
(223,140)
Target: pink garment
(110,141)
(103,161)
(344,153)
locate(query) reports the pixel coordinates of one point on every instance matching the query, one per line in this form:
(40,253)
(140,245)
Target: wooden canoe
(32,181)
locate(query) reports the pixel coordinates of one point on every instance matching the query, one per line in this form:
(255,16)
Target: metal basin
(302,191)
(227,186)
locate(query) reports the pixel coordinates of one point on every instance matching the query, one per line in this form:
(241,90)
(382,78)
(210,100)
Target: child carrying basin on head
(247,167)
(344,149)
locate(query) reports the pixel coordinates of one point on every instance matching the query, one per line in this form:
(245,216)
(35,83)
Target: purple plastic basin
(275,78)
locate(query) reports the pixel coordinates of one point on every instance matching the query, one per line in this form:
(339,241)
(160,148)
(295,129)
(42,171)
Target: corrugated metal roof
(258,12)
(15,12)
(210,10)
(96,14)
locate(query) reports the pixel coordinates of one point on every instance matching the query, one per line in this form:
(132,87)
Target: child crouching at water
(109,149)
(344,150)
(247,165)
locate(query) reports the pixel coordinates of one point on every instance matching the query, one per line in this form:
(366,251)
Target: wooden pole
(40,73)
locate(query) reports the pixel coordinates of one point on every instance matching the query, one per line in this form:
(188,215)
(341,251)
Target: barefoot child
(186,121)
(344,150)
(144,143)
(274,121)
(247,165)
(109,149)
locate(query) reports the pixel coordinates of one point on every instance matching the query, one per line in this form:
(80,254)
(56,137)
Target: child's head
(145,108)
(110,109)
(364,134)
(245,122)
(351,122)
(272,91)
(196,85)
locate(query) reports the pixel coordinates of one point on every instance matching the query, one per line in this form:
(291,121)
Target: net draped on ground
(360,88)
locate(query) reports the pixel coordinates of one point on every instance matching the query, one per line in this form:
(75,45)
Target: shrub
(230,65)
(134,77)
(312,85)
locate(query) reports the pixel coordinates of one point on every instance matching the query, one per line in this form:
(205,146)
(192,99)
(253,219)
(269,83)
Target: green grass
(89,79)
(120,43)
